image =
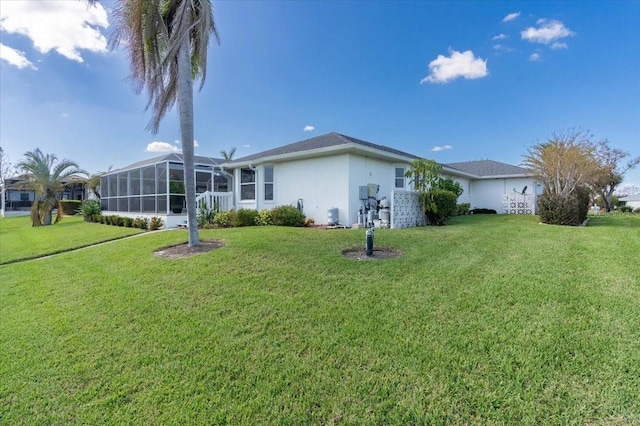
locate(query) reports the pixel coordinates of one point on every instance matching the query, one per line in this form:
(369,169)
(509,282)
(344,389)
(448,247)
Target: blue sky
(451,81)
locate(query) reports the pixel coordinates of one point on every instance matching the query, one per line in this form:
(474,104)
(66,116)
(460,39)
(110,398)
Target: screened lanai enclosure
(155,187)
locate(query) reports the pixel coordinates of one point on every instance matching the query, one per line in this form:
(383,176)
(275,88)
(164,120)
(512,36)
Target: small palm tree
(45,175)
(228,155)
(167,42)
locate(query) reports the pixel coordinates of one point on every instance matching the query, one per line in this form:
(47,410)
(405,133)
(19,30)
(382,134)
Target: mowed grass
(490,320)
(19,240)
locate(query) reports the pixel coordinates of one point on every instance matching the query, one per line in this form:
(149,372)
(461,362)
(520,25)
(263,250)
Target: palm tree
(45,175)
(228,155)
(167,42)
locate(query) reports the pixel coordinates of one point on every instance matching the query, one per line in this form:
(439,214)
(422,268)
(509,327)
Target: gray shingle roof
(635,197)
(487,168)
(318,142)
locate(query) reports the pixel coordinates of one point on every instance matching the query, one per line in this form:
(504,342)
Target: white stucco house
(631,201)
(319,174)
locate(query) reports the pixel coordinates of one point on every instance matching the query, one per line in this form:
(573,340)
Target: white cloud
(503,48)
(441,148)
(64,115)
(460,64)
(246,145)
(15,57)
(308,128)
(534,57)
(499,37)
(511,17)
(548,32)
(558,45)
(64,26)
(161,147)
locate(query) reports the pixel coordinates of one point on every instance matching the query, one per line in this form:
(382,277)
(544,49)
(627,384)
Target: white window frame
(396,177)
(269,182)
(244,184)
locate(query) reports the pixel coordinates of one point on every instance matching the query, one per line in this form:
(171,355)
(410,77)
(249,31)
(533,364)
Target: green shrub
(128,222)
(141,222)
(637,210)
(463,209)
(287,216)
(102,219)
(206,216)
(70,207)
(439,205)
(119,221)
(626,209)
(246,217)
(223,219)
(155,223)
(264,218)
(90,208)
(570,210)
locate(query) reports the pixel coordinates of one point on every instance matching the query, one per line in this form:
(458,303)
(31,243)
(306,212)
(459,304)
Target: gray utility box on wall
(332,216)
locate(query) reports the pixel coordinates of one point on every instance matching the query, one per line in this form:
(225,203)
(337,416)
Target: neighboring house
(17,198)
(490,184)
(630,200)
(317,175)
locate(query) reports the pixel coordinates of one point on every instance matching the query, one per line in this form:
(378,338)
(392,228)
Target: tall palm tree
(45,175)
(228,155)
(167,42)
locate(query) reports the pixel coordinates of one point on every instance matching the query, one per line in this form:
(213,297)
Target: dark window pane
(149,204)
(134,204)
(268,191)
(248,192)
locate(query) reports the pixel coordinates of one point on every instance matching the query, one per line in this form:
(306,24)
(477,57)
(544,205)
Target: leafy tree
(611,172)
(167,42)
(44,174)
(563,163)
(93,182)
(228,155)
(437,194)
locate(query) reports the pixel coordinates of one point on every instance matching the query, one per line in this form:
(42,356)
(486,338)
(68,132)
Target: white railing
(519,204)
(219,201)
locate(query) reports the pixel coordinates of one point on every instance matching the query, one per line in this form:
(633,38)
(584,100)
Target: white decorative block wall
(406,209)
(518,204)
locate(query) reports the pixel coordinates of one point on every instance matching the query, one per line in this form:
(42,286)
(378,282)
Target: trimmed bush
(264,218)
(570,210)
(287,216)
(70,207)
(128,222)
(155,223)
(463,209)
(246,217)
(637,210)
(439,205)
(625,209)
(223,219)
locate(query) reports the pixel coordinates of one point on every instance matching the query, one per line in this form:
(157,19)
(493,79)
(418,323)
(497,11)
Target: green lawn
(19,240)
(491,320)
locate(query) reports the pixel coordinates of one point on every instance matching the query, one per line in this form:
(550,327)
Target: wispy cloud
(64,115)
(246,145)
(441,148)
(161,147)
(15,57)
(511,17)
(557,45)
(503,48)
(195,143)
(534,57)
(308,128)
(547,32)
(66,27)
(499,37)
(459,64)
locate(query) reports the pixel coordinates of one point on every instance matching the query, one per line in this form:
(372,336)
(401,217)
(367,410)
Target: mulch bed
(180,251)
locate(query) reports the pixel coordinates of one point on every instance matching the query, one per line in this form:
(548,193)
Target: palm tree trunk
(185,106)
